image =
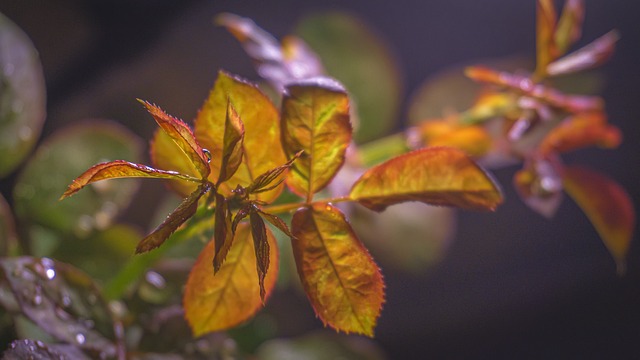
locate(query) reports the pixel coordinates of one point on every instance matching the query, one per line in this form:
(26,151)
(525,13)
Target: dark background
(512,285)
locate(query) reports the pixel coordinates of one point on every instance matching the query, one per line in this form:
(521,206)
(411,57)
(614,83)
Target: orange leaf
(546,50)
(182,213)
(120,169)
(608,207)
(163,156)
(315,118)
(341,279)
(569,26)
(214,303)
(436,176)
(232,150)
(181,134)
(262,146)
(582,130)
(590,56)
(473,140)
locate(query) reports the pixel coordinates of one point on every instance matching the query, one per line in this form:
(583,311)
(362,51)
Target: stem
(276,209)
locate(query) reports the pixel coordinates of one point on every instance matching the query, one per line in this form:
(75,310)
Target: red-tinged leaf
(232,151)
(525,85)
(579,131)
(546,50)
(163,156)
(223,233)
(569,27)
(182,135)
(341,279)
(261,247)
(120,169)
(262,145)
(214,303)
(435,176)
(315,118)
(608,207)
(539,185)
(277,222)
(240,215)
(179,216)
(262,182)
(590,56)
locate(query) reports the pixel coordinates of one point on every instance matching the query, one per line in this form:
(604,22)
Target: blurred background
(509,284)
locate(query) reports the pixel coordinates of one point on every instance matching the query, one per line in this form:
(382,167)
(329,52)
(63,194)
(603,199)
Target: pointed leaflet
(232,150)
(120,169)
(436,176)
(181,134)
(165,154)
(223,234)
(607,206)
(262,146)
(277,222)
(590,56)
(262,182)
(315,118)
(341,279)
(219,302)
(581,130)
(182,213)
(546,50)
(569,25)
(261,247)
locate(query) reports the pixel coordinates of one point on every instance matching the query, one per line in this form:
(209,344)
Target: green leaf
(608,207)
(22,96)
(435,176)
(315,118)
(355,55)
(179,216)
(341,279)
(60,158)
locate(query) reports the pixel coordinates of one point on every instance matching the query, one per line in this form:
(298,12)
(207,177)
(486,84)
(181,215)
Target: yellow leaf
(341,279)
(545,30)
(607,206)
(163,156)
(262,147)
(231,296)
(473,140)
(315,118)
(436,176)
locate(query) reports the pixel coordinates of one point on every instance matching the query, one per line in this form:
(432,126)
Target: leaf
(579,131)
(232,150)
(261,247)
(435,176)
(277,64)
(60,158)
(214,303)
(22,96)
(261,183)
(223,237)
(315,118)
(62,301)
(351,52)
(590,56)
(182,213)
(163,156)
(569,27)
(118,169)
(262,146)
(182,136)
(473,140)
(277,222)
(546,50)
(608,207)
(341,279)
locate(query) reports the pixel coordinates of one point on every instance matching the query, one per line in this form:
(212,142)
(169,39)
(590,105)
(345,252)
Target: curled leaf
(341,279)
(182,135)
(581,130)
(232,150)
(261,247)
(608,207)
(179,216)
(119,169)
(214,303)
(315,118)
(436,176)
(590,56)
